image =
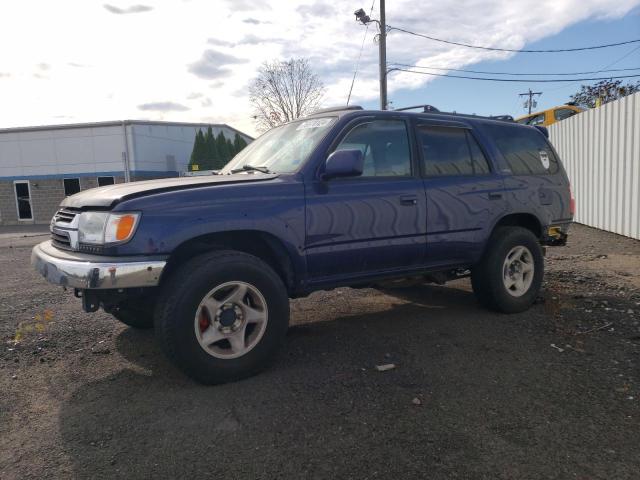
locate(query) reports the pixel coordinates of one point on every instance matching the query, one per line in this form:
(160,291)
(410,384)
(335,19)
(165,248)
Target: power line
(529,80)
(355,72)
(603,68)
(594,47)
(514,74)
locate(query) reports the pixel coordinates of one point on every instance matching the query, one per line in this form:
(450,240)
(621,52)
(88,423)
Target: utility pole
(530,94)
(362,17)
(382,44)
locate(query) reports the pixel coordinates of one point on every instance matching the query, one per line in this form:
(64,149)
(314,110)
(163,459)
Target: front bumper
(82,271)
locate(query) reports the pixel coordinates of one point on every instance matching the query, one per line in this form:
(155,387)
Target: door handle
(408,200)
(495,196)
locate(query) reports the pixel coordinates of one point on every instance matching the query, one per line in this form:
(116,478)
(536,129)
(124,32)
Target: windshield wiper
(251,168)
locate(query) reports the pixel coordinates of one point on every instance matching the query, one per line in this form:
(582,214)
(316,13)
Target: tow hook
(90,302)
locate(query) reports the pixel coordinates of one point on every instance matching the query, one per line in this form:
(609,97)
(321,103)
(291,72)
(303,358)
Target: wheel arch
(521,219)
(525,220)
(263,245)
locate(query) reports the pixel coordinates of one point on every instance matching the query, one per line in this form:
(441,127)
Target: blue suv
(344,197)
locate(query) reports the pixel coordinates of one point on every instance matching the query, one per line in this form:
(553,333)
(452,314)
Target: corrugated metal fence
(600,149)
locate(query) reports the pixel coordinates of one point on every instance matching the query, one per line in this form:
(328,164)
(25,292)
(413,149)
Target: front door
(464,194)
(375,222)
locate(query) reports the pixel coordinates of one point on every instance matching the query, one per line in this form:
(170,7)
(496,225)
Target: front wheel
(509,276)
(223,316)
(136,313)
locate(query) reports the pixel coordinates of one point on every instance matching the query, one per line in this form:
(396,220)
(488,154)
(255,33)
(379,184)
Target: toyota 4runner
(344,197)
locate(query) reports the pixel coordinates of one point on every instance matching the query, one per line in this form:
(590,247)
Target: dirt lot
(550,393)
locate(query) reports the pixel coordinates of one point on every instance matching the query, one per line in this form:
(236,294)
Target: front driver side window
(385,146)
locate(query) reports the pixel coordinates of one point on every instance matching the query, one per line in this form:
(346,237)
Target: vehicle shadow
(321,411)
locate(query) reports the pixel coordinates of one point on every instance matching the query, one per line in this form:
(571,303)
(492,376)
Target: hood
(111,195)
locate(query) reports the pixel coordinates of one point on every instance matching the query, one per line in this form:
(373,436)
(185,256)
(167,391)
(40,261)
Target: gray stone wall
(7,203)
(46,196)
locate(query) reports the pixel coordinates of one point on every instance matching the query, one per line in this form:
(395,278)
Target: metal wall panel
(600,149)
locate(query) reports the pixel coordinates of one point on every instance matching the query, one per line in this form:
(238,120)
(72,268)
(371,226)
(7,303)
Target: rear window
(525,150)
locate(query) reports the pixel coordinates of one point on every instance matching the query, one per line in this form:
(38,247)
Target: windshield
(282,149)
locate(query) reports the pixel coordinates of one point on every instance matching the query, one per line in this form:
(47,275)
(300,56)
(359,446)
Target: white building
(40,165)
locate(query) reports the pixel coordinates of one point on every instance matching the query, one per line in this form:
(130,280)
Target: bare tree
(284,91)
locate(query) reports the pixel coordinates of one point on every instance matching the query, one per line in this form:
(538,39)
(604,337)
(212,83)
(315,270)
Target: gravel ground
(550,393)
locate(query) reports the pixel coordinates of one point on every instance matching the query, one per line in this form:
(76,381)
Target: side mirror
(343,163)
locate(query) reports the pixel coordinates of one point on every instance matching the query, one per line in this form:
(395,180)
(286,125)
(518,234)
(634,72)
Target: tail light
(572,203)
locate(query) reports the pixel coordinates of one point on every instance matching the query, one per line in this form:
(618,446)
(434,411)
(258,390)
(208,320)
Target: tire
(496,280)
(136,314)
(204,300)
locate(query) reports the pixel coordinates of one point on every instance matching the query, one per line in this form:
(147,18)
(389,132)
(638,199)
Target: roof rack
(432,109)
(337,109)
(425,108)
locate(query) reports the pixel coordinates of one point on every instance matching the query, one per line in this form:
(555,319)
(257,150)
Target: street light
(361,16)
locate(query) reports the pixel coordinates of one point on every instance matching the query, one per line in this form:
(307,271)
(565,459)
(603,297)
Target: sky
(192,60)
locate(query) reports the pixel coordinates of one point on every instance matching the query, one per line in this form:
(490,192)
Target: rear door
(465,194)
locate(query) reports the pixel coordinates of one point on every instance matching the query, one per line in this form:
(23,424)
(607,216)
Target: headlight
(98,228)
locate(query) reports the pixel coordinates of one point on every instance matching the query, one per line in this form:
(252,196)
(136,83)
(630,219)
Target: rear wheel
(223,316)
(509,276)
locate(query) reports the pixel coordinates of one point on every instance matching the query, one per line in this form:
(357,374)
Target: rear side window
(562,113)
(537,120)
(525,150)
(450,151)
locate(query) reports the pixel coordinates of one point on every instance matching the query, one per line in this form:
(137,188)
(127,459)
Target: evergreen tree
(232,150)
(211,150)
(239,143)
(202,149)
(223,149)
(197,153)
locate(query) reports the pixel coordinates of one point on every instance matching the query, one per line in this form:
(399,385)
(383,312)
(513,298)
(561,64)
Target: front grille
(61,239)
(64,216)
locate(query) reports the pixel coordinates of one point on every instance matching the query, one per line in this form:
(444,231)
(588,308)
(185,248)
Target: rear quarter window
(525,150)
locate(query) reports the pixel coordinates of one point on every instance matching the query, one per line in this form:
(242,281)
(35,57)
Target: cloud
(5,75)
(254,21)
(77,65)
(212,64)
(131,9)
(251,32)
(244,5)
(194,96)
(163,107)
(43,66)
(251,39)
(206,103)
(316,10)
(220,43)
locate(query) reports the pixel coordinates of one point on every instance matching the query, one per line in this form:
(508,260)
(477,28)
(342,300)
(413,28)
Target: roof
(116,123)
(540,112)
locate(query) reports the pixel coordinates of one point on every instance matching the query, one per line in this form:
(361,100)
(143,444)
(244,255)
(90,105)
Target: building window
(102,181)
(23,199)
(71,186)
